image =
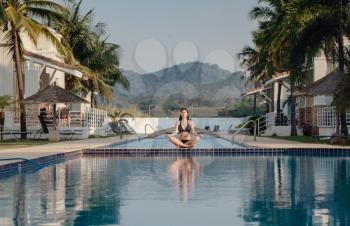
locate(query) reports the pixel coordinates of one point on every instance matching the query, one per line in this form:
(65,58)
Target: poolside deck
(266,142)
(58,148)
(66,147)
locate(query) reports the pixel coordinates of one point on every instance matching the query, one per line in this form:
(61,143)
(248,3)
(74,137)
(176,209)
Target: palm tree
(103,70)
(280,26)
(5,103)
(98,58)
(270,56)
(119,118)
(258,63)
(22,16)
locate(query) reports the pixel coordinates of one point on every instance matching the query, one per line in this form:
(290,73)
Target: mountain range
(188,83)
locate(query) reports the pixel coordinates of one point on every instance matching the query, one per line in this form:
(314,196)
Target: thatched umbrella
(54,94)
(332,84)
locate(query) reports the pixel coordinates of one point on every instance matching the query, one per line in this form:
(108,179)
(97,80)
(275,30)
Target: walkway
(266,142)
(60,147)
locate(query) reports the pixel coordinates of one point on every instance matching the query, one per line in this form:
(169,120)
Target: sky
(156,34)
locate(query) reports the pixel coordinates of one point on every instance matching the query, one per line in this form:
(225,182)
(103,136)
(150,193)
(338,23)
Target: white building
(314,110)
(43,66)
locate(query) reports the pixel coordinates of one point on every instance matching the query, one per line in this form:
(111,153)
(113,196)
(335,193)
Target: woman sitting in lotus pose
(184,127)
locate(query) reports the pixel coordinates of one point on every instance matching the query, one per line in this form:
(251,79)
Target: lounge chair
(125,127)
(114,128)
(45,130)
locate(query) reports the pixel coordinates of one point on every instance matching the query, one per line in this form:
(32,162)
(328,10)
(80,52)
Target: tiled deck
(56,152)
(35,152)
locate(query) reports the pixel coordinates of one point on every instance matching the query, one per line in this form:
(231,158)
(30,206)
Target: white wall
(323,100)
(138,124)
(321,69)
(326,131)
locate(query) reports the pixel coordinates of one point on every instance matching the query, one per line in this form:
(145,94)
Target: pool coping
(144,152)
(38,163)
(23,165)
(104,150)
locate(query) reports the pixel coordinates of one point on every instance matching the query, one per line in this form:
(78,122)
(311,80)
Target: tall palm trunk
(92,100)
(254,105)
(293,126)
(20,82)
(343,124)
(279,91)
(279,115)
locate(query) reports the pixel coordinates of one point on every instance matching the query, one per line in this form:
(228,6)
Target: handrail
(149,125)
(243,126)
(25,159)
(239,129)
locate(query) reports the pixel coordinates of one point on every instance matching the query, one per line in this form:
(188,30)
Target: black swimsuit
(187,129)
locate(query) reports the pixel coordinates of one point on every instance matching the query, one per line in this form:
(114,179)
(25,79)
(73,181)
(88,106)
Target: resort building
(44,66)
(314,110)
(318,111)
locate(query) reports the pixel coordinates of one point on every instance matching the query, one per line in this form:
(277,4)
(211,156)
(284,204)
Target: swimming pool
(163,142)
(251,190)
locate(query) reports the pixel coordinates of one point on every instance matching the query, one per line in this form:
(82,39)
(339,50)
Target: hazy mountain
(198,83)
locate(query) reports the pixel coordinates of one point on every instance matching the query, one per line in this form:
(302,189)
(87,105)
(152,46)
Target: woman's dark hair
(188,114)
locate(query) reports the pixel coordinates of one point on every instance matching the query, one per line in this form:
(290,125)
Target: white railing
(326,117)
(96,118)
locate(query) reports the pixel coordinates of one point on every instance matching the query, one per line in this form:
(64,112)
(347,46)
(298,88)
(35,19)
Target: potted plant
(5,103)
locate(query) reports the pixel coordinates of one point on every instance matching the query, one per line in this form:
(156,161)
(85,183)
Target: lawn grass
(301,139)
(13,144)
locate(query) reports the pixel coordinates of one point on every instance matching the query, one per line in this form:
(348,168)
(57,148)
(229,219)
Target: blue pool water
(181,191)
(163,142)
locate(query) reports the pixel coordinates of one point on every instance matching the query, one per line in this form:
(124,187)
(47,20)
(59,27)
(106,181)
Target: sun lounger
(65,133)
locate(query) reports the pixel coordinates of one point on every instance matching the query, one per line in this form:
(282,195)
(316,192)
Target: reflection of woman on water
(184,127)
(183,172)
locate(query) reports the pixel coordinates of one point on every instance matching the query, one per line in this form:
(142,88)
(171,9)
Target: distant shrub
(307,129)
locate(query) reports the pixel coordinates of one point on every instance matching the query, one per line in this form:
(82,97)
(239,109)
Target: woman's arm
(176,129)
(193,129)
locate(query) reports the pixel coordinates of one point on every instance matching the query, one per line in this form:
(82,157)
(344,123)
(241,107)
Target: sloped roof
(329,85)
